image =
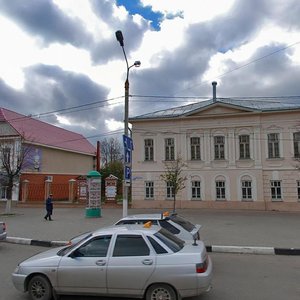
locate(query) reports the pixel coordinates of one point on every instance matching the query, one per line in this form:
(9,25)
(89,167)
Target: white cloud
(17,51)
(194,11)
(113,125)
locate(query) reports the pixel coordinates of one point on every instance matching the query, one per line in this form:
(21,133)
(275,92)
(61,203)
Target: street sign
(128,142)
(127,173)
(127,156)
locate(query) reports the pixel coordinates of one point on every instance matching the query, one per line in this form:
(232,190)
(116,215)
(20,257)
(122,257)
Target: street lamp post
(120,39)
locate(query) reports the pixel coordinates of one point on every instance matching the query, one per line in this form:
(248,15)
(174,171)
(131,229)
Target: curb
(32,242)
(214,248)
(253,250)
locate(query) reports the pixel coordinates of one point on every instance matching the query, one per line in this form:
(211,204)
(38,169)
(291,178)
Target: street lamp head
(120,38)
(137,63)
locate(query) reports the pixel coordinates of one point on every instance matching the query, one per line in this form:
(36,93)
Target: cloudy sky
(60,60)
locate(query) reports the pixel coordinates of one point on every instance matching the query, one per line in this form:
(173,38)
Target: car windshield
(170,240)
(65,250)
(182,222)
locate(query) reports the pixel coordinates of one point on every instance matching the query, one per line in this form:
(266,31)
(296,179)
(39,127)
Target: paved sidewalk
(222,230)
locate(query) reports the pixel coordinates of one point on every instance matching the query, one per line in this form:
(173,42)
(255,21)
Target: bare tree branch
(173,176)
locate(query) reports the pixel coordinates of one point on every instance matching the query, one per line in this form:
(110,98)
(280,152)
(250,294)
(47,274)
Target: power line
(243,66)
(167,97)
(60,111)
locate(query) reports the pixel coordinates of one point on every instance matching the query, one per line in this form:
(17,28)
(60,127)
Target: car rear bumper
(3,236)
(204,279)
(203,283)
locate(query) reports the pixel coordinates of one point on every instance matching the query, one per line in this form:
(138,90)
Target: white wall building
(239,154)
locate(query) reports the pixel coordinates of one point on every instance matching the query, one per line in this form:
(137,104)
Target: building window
(169,149)
(6,156)
(195,148)
(276,189)
(296,144)
(3,192)
(170,190)
(149,189)
(298,190)
(219,142)
(196,190)
(244,146)
(149,151)
(273,145)
(246,190)
(220,190)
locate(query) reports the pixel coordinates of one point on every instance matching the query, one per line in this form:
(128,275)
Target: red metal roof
(38,132)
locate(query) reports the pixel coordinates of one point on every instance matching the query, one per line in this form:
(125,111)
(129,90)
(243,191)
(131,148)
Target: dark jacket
(49,204)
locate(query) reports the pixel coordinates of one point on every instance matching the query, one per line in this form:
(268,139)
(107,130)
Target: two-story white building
(238,154)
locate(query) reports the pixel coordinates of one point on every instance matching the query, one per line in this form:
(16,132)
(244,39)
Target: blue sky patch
(135,7)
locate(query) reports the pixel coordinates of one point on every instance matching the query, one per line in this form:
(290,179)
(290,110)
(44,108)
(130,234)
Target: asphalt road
(236,276)
(219,227)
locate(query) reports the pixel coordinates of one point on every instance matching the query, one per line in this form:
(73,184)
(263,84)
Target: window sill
(274,158)
(277,200)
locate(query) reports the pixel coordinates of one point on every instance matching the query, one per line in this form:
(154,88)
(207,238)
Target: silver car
(173,222)
(3,232)
(120,261)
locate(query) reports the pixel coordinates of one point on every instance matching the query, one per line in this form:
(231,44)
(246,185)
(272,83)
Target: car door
(84,270)
(130,265)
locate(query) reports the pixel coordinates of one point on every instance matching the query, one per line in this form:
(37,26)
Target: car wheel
(161,292)
(39,288)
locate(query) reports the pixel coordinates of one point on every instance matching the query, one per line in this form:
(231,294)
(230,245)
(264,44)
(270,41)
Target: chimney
(214,84)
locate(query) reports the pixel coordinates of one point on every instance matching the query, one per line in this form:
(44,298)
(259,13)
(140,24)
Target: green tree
(115,168)
(173,176)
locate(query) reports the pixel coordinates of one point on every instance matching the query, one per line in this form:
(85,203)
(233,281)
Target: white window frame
(149,190)
(276,190)
(195,148)
(219,147)
(244,147)
(148,150)
(196,190)
(170,192)
(273,145)
(169,149)
(248,190)
(220,186)
(296,143)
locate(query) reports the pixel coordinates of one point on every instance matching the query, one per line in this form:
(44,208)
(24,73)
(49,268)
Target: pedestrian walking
(49,207)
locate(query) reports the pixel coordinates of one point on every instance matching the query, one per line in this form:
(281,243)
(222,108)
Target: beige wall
(54,161)
(230,123)
(66,162)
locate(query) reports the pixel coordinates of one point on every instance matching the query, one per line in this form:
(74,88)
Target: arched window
(246,186)
(220,188)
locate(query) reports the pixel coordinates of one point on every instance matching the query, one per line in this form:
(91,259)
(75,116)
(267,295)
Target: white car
(174,223)
(121,261)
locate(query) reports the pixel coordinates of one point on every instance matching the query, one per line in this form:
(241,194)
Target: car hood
(46,258)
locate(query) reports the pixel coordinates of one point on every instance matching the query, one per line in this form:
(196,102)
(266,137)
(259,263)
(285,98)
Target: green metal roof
(261,104)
